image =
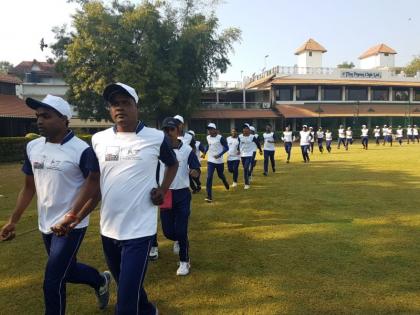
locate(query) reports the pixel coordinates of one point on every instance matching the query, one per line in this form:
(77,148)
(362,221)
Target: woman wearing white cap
(341,136)
(365,137)
(185,137)
(288,139)
(55,169)
(216,147)
(349,137)
(234,156)
(127,156)
(400,135)
(377,134)
(246,149)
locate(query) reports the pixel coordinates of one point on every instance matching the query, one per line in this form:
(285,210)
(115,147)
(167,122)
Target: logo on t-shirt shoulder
(112,153)
(39,165)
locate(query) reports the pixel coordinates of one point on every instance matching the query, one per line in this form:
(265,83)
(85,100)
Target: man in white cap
(185,137)
(410,134)
(377,134)
(127,156)
(55,169)
(216,147)
(365,137)
(305,140)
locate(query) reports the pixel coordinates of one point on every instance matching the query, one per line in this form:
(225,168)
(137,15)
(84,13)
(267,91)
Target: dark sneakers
(102,293)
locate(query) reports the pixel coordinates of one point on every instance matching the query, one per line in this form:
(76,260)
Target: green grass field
(340,235)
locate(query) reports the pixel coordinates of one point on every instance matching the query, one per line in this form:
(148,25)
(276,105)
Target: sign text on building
(361,74)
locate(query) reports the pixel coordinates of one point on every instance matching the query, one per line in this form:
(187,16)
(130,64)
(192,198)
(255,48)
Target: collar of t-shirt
(139,127)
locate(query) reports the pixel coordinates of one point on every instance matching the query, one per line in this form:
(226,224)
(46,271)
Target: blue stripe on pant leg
(210,171)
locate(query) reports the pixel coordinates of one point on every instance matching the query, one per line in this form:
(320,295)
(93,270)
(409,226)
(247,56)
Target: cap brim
(35,104)
(113,89)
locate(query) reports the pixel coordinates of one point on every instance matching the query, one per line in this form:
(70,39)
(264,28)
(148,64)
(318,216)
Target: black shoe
(265,174)
(274,170)
(102,293)
(226,185)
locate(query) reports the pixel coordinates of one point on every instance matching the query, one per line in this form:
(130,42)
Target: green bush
(12,149)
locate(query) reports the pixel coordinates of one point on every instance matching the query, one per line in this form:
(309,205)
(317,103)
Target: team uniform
(59,171)
(385,134)
(288,142)
(175,219)
(233,158)
(365,137)
(410,135)
(328,140)
(389,136)
(127,162)
(216,146)
(246,149)
(416,134)
(312,142)
(349,138)
(341,137)
(320,140)
(377,135)
(305,140)
(186,138)
(400,135)
(269,150)
(254,153)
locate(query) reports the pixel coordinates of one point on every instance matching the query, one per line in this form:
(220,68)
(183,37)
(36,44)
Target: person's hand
(157,196)
(261,153)
(8,232)
(194,173)
(217,156)
(65,226)
(203,156)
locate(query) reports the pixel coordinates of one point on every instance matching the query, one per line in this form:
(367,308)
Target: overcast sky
(346,28)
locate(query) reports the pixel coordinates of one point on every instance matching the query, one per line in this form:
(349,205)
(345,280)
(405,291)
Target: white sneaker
(154,253)
(247,187)
(234,184)
(184,268)
(176,248)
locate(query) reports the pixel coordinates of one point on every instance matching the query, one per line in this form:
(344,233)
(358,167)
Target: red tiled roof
(381,48)
(346,110)
(7,78)
(12,106)
(234,114)
(26,67)
(310,45)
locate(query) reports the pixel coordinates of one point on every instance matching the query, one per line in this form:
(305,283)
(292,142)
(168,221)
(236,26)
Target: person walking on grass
(199,149)
(341,136)
(400,135)
(385,134)
(328,140)
(234,156)
(288,139)
(269,149)
(416,133)
(216,147)
(377,134)
(320,139)
(312,143)
(365,137)
(410,136)
(254,150)
(175,215)
(305,140)
(246,149)
(349,137)
(55,169)
(389,135)
(124,172)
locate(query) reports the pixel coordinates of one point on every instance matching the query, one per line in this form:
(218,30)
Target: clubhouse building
(376,93)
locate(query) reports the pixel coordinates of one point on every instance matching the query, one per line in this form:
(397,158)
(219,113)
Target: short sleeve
(27,166)
(167,154)
(88,162)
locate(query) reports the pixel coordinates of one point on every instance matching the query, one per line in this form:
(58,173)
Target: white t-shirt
(384,131)
(328,136)
(59,172)
(128,164)
(269,146)
(186,138)
(341,133)
(287,136)
(409,131)
(246,145)
(320,134)
(233,144)
(313,136)
(187,160)
(254,145)
(305,137)
(377,132)
(365,132)
(400,133)
(349,134)
(216,146)
(415,131)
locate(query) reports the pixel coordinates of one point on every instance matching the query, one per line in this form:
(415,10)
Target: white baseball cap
(211,126)
(113,88)
(304,126)
(191,132)
(180,118)
(50,101)
(252,128)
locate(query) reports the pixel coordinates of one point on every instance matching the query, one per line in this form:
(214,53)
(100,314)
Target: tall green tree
(5,66)
(413,67)
(167,53)
(346,65)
